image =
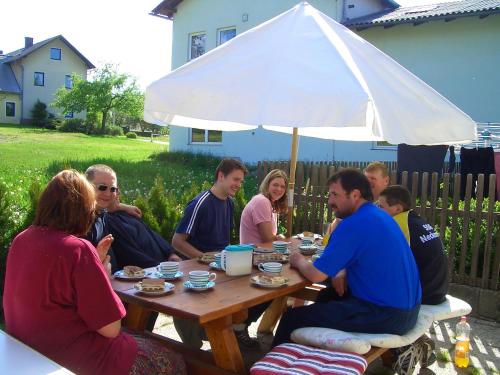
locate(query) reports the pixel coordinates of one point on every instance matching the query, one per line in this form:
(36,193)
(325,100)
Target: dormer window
(55,54)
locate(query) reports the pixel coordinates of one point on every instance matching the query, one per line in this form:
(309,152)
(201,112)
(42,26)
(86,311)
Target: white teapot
(236,260)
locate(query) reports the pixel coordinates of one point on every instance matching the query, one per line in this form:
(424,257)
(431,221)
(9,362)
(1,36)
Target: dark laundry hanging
(420,159)
(476,161)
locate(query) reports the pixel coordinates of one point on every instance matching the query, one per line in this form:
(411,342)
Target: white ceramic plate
(121,275)
(188,285)
(263,250)
(167,289)
(255,280)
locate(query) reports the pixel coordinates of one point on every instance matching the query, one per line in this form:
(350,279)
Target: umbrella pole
(291,181)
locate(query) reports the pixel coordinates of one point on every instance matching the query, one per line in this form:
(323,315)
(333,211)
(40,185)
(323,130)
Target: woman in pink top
(259,220)
(58,298)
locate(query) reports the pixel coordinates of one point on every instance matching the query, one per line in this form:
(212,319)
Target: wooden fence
(469,228)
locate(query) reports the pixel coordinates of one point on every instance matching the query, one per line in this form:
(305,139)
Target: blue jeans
(348,314)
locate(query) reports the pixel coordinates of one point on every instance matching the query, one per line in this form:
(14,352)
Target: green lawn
(28,153)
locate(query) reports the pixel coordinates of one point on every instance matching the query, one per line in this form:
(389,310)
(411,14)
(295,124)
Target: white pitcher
(236,260)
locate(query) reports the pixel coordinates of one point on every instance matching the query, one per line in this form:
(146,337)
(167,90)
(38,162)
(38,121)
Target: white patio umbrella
(303,73)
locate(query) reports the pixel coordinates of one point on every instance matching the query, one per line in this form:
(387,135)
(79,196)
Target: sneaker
(244,339)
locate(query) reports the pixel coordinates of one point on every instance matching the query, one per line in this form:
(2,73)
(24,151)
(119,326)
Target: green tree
(106,91)
(39,113)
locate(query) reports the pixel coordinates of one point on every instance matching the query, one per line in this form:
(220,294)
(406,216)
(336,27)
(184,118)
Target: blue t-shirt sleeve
(340,252)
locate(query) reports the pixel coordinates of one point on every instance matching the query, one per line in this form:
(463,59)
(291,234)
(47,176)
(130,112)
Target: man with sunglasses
(135,243)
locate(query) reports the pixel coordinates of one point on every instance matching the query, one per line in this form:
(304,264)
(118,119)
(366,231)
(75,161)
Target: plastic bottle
(462,346)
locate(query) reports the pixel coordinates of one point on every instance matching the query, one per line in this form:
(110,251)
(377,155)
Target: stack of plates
(320,250)
(280,246)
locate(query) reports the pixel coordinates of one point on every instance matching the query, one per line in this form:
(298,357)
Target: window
(383,145)
(55,54)
(39,79)
(197,45)
(206,136)
(68,82)
(223,35)
(68,115)
(10,109)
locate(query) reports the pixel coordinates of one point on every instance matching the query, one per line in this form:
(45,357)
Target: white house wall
(55,72)
(460,59)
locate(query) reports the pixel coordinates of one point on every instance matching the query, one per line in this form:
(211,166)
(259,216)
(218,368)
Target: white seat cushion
(327,338)
(360,343)
(451,308)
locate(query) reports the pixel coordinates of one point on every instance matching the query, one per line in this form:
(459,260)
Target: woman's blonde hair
(279,206)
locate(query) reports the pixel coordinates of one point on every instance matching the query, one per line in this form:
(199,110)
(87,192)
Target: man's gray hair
(93,169)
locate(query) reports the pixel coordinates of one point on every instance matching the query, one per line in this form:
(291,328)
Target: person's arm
(180,243)
(266,231)
(306,269)
(110,330)
(127,208)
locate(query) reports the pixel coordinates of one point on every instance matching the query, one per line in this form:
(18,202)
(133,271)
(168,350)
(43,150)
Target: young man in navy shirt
(206,226)
(208,219)
(384,287)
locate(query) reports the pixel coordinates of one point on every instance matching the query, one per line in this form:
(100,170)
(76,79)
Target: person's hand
(103,247)
(295,259)
(107,264)
(131,210)
(174,258)
(280,237)
(339,282)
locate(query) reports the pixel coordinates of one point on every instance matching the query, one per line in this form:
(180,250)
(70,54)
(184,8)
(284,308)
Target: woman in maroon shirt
(58,298)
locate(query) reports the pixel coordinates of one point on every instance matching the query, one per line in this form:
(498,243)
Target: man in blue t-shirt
(380,269)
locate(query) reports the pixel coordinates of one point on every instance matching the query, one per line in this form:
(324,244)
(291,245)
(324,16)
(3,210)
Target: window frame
(35,80)
(190,47)
(13,108)
(206,137)
(55,57)
(225,29)
(67,78)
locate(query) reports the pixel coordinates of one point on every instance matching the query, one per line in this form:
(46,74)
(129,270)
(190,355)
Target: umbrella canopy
(302,69)
(302,72)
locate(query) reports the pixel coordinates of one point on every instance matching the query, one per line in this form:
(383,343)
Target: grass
(28,154)
(443,356)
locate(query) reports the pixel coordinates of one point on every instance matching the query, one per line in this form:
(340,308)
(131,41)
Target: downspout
(22,92)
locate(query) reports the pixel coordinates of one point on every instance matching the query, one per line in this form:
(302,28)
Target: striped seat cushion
(295,359)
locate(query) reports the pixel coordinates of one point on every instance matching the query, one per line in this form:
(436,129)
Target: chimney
(28,42)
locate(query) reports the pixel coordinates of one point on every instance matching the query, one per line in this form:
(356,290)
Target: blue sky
(104,31)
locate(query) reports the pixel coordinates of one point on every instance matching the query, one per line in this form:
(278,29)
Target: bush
(73,125)
(131,135)
(39,114)
(113,130)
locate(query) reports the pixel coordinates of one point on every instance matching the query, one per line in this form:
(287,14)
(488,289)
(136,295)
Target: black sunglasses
(103,187)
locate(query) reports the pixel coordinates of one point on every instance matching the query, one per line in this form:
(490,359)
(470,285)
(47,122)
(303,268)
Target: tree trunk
(104,119)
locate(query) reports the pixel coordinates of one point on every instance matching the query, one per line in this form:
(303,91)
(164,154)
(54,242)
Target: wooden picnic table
(216,309)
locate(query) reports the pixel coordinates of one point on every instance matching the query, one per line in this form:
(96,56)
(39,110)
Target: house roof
(422,13)
(8,82)
(166,9)
(22,52)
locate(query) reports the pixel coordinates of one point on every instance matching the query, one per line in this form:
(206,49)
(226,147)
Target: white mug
(271,267)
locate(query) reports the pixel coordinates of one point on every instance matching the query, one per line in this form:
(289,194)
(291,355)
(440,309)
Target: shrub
(131,135)
(39,114)
(113,130)
(73,125)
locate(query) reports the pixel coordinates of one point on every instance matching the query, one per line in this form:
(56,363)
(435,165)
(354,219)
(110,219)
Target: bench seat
(361,343)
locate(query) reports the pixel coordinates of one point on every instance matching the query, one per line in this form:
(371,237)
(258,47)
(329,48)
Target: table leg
(272,315)
(224,346)
(136,318)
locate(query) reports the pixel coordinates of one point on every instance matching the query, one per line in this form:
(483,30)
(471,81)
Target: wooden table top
(230,295)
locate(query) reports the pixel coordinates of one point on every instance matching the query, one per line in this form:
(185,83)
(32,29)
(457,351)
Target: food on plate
(274,257)
(274,280)
(133,271)
(153,285)
(208,257)
(307,234)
